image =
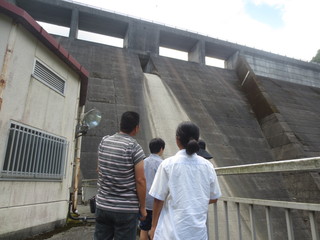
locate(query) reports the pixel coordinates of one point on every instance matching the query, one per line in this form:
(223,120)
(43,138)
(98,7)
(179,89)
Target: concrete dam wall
(262,107)
(259,121)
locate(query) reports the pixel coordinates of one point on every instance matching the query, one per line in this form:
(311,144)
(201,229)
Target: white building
(42,89)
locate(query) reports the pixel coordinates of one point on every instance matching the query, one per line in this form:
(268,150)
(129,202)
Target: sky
(285,27)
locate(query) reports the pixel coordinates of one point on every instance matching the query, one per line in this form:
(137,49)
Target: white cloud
(301,33)
(298,37)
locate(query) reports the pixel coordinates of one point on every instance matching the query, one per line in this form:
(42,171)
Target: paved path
(74,230)
(75,233)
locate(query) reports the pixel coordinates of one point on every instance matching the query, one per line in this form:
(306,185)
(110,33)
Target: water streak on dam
(164,112)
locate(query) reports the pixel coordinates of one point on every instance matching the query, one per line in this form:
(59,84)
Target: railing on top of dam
(171,26)
(313,210)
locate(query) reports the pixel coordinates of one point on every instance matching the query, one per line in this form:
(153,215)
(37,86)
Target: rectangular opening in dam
(172,53)
(55,29)
(100,38)
(215,62)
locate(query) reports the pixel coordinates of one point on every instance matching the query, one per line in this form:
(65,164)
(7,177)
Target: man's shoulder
(109,137)
(148,160)
(105,137)
(120,137)
(153,158)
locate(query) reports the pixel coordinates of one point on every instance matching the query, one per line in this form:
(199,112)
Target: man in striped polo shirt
(121,183)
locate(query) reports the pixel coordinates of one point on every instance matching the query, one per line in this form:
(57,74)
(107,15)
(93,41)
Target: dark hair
(202,144)
(129,120)
(188,134)
(156,144)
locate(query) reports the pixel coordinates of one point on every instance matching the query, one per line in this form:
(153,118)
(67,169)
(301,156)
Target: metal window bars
(32,153)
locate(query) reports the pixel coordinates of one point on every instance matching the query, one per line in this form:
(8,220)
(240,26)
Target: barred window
(48,77)
(34,154)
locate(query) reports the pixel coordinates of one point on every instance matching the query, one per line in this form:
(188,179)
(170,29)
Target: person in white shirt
(184,186)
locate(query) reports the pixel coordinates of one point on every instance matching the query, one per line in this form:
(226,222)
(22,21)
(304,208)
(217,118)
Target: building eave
(22,17)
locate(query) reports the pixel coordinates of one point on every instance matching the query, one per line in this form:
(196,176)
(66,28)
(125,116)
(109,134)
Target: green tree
(316,58)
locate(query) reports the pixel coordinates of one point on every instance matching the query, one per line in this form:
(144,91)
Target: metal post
(225,203)
(252,222)
(77,167)
(239,220)
(313,223)
(289,224)
(269,223)
(216,226)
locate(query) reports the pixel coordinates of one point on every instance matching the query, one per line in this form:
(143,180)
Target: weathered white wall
(4,36)
(25,203)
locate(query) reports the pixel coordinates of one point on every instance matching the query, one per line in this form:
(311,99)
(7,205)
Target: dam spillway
(164,112)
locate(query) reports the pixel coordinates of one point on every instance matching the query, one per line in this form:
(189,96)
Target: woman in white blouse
(184,186)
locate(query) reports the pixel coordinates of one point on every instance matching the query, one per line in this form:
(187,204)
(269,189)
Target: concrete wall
(29,206)
(209,96)
(142,38)
(302,74)
(280,68)
(146,38)
(288,114)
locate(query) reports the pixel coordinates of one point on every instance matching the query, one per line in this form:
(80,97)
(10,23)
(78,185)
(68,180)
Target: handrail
(296,165)
(274,203)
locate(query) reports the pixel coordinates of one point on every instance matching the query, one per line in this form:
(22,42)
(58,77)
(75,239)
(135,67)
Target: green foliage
(316,58)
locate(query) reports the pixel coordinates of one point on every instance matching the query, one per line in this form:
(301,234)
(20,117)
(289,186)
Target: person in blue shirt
(151,164)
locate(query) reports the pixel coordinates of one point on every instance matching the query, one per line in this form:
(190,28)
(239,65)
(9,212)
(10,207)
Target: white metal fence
(287,208)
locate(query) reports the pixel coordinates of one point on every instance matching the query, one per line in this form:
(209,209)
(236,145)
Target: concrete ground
(74,229)
(84,232)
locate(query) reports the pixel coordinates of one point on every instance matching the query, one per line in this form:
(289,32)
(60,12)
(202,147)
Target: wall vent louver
(48,77)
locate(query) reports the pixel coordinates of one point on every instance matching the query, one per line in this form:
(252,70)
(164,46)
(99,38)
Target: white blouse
(186,184)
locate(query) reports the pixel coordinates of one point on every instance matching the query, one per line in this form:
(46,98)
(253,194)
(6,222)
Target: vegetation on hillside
(316,58)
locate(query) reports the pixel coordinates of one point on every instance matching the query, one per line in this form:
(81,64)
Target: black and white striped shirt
(117,156)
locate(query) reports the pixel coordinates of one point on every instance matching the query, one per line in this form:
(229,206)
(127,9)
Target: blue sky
(285,27)
(264,13)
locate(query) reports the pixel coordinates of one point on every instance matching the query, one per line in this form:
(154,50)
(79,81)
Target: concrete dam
(261,107)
